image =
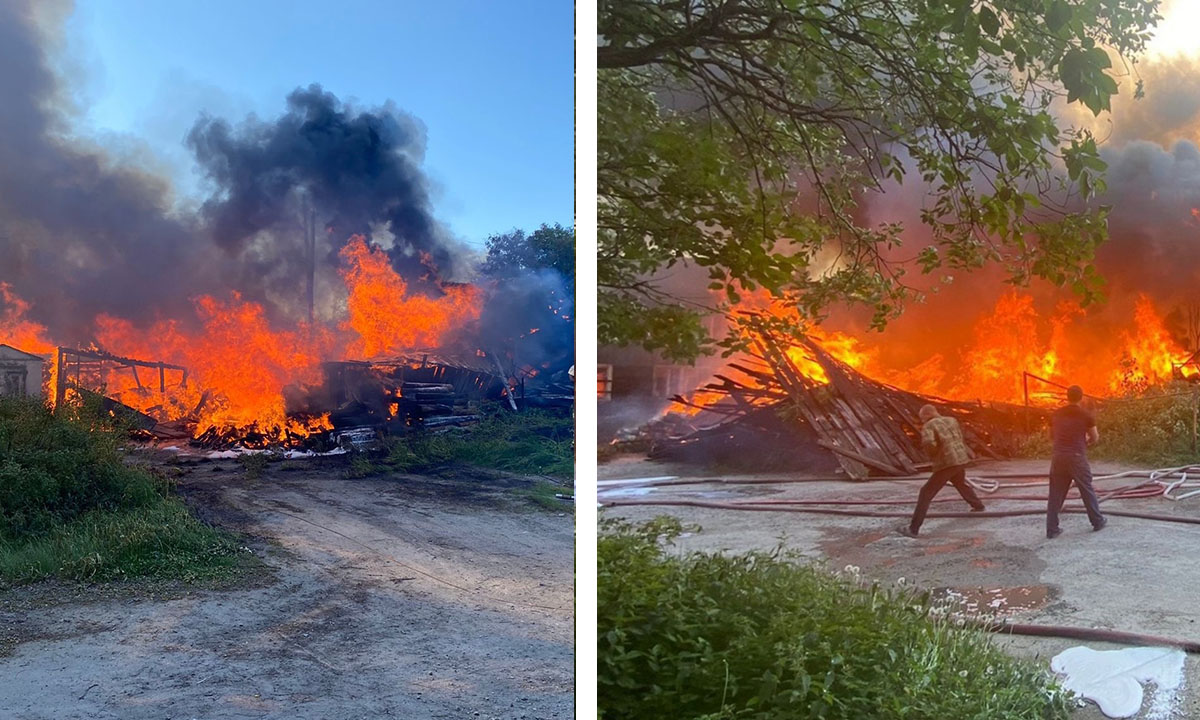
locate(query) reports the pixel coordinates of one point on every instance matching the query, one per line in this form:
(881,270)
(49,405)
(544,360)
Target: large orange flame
(237,356)
(16,330)
(387,319)
(1012,340)
(239,366)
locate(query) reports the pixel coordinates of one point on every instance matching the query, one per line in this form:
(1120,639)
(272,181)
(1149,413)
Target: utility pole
(310,243)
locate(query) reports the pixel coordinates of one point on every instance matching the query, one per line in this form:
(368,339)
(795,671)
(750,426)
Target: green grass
(1152,427)
(545,495)
(763,636)
(253,464)
(72,508)
(530,442)
(158,540)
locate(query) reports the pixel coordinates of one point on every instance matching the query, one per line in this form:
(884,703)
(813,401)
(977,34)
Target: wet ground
(397,596)
(1136,575)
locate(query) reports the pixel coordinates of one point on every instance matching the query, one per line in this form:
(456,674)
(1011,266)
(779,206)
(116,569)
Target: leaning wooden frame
(872,427)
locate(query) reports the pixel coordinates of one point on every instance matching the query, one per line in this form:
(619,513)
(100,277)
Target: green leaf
(1058,16)
(988,21)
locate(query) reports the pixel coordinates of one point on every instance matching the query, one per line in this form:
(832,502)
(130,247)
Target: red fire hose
(776,506)
(1078,633)
(1149,489)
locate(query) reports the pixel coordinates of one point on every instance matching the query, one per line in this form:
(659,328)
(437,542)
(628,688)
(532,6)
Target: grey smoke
(77,231)
(82,234)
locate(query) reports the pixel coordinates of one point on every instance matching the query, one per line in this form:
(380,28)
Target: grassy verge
(530,442)
(70,507)
(703,637)
(1151,427)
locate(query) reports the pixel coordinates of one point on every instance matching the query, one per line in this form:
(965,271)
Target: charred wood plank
(868,461)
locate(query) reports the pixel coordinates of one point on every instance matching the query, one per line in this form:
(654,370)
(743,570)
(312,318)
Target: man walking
(1072,429)
(943,441)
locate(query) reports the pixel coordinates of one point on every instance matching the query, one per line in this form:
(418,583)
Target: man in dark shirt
(1072,429)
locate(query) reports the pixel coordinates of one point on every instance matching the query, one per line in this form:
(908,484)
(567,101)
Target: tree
(548,247)
(742,136)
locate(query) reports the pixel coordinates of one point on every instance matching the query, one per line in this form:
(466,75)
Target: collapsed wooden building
(361,400)
(765,412)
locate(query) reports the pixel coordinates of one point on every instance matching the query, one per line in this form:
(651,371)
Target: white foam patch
(624,492)
(1113,678)
(635,481)
(290,454)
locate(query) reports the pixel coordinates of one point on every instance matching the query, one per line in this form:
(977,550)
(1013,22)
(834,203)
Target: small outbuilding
(20,372)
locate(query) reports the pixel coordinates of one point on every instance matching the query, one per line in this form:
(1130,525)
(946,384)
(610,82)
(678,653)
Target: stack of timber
(425,391)
(868,426)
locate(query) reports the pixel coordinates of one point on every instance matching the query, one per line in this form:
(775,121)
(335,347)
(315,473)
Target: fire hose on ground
(984,479)
(782,506)
(1160,482)
(1119,637)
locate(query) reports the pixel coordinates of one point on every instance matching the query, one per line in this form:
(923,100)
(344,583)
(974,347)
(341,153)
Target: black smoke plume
(82,234)
(360,170)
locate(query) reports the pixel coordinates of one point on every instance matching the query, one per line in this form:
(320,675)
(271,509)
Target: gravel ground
(399,596)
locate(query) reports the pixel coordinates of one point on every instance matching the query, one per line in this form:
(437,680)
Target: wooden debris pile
(405,393)
(868,426)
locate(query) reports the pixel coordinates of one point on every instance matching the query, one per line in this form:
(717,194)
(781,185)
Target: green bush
(253,464)
(71,507)
(761,636)
(55,468)
(1152,427)
(531,441)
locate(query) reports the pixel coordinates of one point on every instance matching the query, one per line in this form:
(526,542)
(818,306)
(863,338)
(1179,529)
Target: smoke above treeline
(1152,147)
(82,234)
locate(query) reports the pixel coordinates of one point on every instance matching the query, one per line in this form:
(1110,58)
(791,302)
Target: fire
(239,366)
(16,330)
(1012,348)
(843,347)
(387,319)
(236,355)
(1005,343)
(1063,347)
(23,334)
(1149,353)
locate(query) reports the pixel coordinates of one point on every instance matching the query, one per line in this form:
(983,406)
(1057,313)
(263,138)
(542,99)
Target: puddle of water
(995,601)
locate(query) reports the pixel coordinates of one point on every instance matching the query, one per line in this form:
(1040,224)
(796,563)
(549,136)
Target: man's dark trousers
(956,476)
(1065,468)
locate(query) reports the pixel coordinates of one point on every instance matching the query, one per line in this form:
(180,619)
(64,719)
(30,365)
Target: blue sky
(492,81)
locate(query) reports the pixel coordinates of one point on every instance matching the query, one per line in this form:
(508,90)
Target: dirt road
(402,596)
(1136,575)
